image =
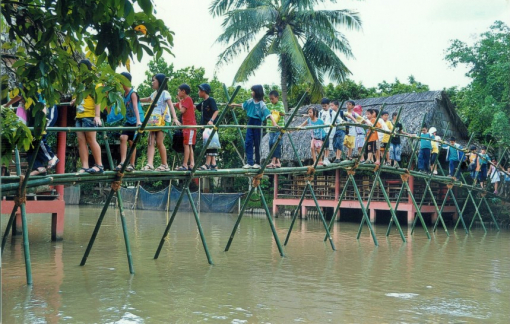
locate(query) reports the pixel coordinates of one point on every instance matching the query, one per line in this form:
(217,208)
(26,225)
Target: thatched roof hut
(435,105)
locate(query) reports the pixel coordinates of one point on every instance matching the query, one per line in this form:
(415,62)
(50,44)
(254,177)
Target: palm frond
(253,59)
(241,44)
(241,23)
(289,44)
(220,7)
(325,59)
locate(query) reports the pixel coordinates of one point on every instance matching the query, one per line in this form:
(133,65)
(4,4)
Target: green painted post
(188,180)
(199,226)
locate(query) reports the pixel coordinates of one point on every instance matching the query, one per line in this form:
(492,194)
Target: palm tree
(305,40)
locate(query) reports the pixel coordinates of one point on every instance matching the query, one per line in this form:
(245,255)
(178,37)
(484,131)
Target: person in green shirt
(277,111)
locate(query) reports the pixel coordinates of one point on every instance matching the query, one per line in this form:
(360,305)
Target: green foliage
(305,40)
(13,133)
(53,34)
(485,103)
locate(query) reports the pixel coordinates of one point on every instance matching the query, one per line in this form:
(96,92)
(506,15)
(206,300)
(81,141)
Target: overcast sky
(399,38)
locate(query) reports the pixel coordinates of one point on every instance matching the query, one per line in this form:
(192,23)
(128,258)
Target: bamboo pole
(191,174)
(199,225)
(260,172)
(378,181)
(118,176)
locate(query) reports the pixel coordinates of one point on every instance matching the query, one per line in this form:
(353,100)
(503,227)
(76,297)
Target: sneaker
(337,161)
(435,171)
(326,162)
(255,166)
(247,166)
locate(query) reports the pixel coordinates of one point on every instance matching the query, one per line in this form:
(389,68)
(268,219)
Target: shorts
(338,140)
(190,136)
(385,146)
(349,141)
(372,147)
(433,158)
(85,122)
(495,177)
(131,134)
(211,152)
(317,144)
(360,140)
(395,152)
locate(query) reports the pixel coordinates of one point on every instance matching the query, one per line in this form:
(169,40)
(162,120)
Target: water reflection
(461,278)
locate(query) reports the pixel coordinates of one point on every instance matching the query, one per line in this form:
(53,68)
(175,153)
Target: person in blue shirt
(257,113)
(134,117)
(425,148)
(454,156)
(318,134)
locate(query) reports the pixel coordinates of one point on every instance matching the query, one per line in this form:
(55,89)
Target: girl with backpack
(134,118)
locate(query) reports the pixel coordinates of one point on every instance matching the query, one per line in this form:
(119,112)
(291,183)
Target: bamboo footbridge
(476,196)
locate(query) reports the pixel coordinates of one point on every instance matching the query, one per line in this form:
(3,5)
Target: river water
(460,279)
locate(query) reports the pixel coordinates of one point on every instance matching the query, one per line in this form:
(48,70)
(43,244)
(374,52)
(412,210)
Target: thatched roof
(434,105)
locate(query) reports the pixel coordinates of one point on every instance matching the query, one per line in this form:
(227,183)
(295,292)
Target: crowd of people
(345,141)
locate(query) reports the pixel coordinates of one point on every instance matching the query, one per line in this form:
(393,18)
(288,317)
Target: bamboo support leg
(125,232)
(365,215)
(199,226)
(392,211)
(319,210)
(271,223)
(239,217)
(96,228)
(294,215)
(418,213)
(492,214)
(8,228)
(337,208)
(477,212)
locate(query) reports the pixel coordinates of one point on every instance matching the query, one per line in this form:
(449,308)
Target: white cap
(432,130)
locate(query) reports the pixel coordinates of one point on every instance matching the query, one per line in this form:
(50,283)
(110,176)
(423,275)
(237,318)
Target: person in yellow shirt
(88,115)
(385,143)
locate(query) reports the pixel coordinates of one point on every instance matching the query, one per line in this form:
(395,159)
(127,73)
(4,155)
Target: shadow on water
(461,278)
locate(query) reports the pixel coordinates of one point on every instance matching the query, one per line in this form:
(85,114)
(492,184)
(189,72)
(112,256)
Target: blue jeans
(338,140)
(273,137)
(424,159)
(253,136)
(395,152)
(453,167)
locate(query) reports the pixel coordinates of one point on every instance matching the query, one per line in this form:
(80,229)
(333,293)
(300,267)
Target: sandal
(204,167)
(214,167)
(277,165)
(82,170)
(163,167)
(100,169)
(53,162)
(40,171)
(130,168)
(119,167)
(182,168)
(148,167)
(271,166)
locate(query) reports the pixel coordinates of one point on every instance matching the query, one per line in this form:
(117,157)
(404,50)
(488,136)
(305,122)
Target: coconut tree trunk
(284,83)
